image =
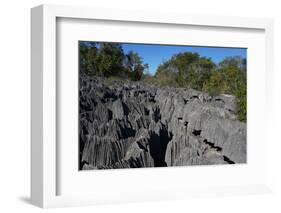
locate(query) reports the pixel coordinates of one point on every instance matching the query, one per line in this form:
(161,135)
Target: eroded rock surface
(132,124)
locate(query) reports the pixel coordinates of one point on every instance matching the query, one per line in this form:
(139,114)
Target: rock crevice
(132,125)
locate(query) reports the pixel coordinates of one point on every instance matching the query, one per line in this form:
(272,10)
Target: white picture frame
(44,155)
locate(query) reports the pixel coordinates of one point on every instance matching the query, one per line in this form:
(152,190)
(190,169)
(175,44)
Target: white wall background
(15,105)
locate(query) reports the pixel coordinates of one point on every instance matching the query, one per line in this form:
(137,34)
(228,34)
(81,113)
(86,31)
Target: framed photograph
(129,106)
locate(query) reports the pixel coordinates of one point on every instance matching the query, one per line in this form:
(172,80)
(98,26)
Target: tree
(234,61)
(134,65)
(83,50)
(110,59)
(230,78)
(189,70)
(87,57)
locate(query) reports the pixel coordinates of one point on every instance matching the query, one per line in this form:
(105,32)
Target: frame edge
(37,106)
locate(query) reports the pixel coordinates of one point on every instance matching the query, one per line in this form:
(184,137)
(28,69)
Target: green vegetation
(108,59)
(186,69)
(189,70)
(110,80)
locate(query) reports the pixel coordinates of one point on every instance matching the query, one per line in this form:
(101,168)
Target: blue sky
(153,55)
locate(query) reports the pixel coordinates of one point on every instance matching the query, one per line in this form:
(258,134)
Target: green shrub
(189,70)
(110,80)
(230,79)
(241,103)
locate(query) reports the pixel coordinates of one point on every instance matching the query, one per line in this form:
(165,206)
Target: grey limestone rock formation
(132,125)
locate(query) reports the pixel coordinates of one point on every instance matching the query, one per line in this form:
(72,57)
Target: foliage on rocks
(185,70)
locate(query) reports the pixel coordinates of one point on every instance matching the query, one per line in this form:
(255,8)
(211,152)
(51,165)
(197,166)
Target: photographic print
(151,105)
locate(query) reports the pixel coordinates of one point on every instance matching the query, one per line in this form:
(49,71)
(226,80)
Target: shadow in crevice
(212,145)
(196,132)
(158,145)
(226,159)
(156,114)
